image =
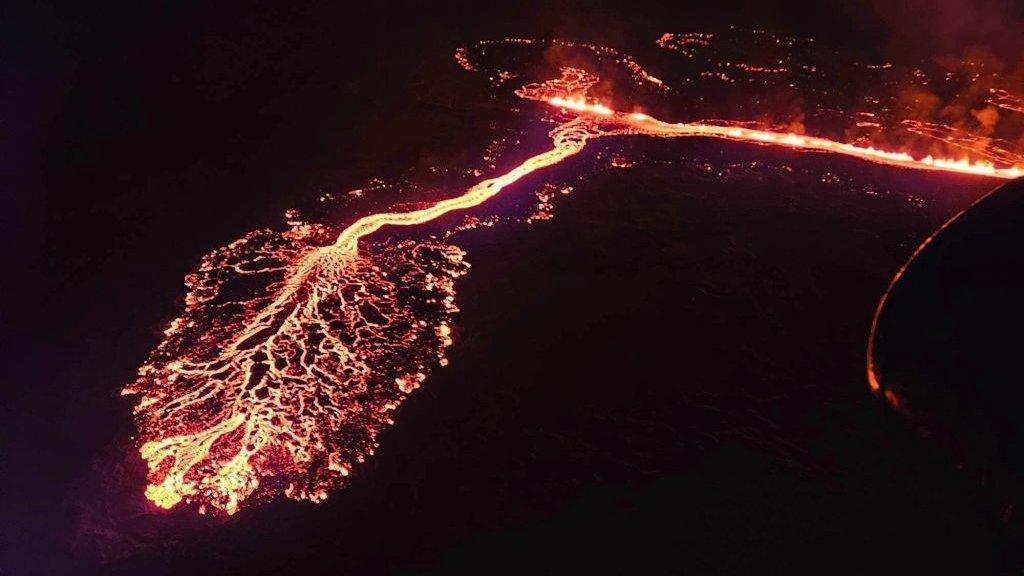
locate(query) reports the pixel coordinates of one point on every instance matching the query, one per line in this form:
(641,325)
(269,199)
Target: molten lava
(613,122)
(295,348)
(643,124)
(290,384)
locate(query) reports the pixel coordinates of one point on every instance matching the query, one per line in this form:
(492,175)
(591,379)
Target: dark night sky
(137,137)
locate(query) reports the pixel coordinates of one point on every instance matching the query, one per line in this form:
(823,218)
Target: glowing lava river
(295,348)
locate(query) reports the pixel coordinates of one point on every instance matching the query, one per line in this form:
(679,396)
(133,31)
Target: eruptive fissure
(295,348)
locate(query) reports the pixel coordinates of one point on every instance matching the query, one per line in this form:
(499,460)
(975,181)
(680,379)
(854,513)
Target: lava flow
(295,348)
(288,384)
(617,123)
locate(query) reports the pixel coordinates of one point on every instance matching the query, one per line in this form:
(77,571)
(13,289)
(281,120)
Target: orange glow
(581,105)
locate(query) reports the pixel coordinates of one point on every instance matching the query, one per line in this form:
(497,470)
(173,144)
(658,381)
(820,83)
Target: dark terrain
(667,377)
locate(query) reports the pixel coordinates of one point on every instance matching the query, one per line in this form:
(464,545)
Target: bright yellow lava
(568,140)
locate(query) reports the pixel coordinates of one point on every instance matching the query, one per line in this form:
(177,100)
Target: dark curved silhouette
(946,344)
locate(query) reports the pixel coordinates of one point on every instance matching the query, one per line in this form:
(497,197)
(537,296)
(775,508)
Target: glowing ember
(295,348)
